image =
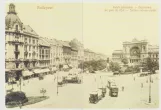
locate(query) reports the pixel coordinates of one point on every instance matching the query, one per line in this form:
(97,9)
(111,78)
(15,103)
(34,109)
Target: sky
(99,30)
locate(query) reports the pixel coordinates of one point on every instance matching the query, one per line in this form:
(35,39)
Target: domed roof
(12,17)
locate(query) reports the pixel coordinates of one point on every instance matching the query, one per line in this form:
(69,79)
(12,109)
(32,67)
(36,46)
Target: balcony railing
(26,52)
(34,59)
(25,43)
(34,52)
(17,31)
(17,52)
(17,60)
(15,42)
(26,60)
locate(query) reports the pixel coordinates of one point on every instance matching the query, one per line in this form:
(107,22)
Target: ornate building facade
(66,53)
(136,51)
(25,49)
(21,42)
(44,53)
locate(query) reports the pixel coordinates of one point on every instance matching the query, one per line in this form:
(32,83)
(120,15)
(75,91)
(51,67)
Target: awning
(37,71)
(54,68)
(70,65)
(65,66)
(7,70)
(45,70)
(27,73)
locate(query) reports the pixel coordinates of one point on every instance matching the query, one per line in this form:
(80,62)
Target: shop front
(27,74)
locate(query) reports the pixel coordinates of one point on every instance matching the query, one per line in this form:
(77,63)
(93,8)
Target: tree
(93,65)
(114,66)
(124,60)
(136,69)
(150,65)
(108,60)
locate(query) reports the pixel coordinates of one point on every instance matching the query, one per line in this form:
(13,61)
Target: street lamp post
(20,83)
(150,88)
(57,59)
(57,84)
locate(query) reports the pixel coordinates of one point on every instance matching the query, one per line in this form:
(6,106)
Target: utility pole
(57,83)
(150,88)
(20,84)
(101,81)
(12,82)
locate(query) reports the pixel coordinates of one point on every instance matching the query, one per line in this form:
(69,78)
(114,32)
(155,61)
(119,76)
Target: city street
(77,95)
(51,44)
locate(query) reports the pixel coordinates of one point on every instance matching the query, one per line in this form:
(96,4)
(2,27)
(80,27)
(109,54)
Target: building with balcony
(74,43)
(44,53)
(67,52)
(74,57)
(153,52)
(21,42)
(59,53)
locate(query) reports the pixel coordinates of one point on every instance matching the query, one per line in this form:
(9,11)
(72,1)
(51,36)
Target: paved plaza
(77,95)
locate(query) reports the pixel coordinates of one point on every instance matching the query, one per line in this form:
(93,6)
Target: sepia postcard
(81,55)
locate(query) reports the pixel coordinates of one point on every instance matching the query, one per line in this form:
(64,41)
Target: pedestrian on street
(151,80)
(54,78)
(122,88)
(141,85)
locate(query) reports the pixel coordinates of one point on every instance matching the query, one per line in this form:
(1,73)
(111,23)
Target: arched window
(16,27)
(144,48)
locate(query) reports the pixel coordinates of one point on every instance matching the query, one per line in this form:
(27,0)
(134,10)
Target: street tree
(114,66)
(124,60)
(151,65)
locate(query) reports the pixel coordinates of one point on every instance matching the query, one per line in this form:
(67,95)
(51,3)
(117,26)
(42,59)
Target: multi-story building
(66,52)
(136,51)
(153,52)
(117,56)
(24,49)
(59,53)
(74,57)
(53,46)
(44,53)
(100,56)
(79,46)
(89,55)
(86,55)
(21,42)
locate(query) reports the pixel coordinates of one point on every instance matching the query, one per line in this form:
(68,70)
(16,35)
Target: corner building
(21,43)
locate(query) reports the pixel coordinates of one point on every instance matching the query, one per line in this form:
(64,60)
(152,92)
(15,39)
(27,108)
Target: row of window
(153,55)
(44,63)
(42,51)
(53,61)
(117,56)
(33,48)
(30,41)
(44,56)
(14,37)
(30,55)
